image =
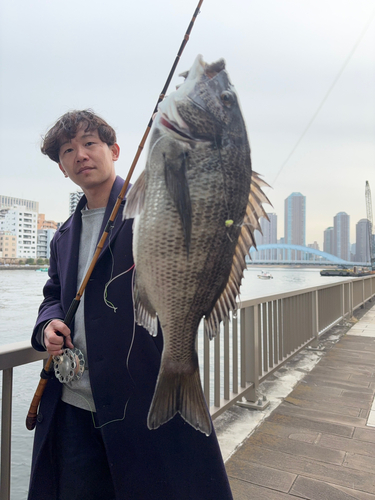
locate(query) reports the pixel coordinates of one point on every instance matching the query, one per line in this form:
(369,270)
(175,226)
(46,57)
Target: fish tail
(179,393)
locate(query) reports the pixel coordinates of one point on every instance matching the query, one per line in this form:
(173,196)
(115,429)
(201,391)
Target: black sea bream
(196,207)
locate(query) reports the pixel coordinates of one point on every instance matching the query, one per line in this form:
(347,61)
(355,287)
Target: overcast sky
(283,56)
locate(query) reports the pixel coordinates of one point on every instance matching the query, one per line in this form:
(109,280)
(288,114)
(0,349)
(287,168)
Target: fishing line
(326,95)
(133,337)
(127,367)
(105,293)
(111,306)
(127,360)
(93,412)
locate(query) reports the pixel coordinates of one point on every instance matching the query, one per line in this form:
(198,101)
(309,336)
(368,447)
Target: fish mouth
(169,125)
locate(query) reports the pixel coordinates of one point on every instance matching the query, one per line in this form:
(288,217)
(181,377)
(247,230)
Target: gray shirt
(79,393)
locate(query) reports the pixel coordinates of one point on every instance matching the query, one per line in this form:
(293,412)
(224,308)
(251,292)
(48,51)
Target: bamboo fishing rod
(44,376)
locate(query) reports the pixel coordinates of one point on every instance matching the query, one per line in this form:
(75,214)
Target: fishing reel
(69,366)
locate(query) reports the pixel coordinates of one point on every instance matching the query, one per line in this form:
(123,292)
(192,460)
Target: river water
(20,296)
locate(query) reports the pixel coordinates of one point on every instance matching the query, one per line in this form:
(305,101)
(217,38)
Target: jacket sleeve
(50,308)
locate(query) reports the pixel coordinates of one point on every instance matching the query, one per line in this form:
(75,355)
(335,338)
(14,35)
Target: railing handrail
(19,353)
(298,291)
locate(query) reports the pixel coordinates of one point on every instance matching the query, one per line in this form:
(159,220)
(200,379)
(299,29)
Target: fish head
(205,107)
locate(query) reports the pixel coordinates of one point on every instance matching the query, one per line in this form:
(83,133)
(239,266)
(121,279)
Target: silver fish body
(196,207)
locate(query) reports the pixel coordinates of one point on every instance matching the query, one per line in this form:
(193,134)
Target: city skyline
(13,220)
(74,197)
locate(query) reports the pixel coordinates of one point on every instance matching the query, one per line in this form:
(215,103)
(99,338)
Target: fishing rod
(44,376)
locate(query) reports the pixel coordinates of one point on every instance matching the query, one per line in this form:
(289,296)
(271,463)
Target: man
(91,440)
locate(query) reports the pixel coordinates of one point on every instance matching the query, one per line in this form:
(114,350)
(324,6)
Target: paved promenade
(319,443)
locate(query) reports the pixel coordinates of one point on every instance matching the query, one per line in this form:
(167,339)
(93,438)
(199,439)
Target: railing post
(315,318)
(243,327)
(6,433)
(206,368)
(226,359)
(363,293)
(235,353)
(252,341)
(217,370)
(342,300)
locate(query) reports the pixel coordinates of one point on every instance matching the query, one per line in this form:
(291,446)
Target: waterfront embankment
(24,267)
(318,441)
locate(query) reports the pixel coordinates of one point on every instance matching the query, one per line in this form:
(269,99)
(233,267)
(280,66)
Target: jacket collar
(117,223)
(68,237)
(74,223)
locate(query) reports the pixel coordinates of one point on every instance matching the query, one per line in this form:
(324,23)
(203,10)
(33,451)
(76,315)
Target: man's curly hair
(67,126)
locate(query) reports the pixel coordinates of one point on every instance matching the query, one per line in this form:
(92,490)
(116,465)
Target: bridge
(304,254)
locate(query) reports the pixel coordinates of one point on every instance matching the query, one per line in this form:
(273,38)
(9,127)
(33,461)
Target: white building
(11,201)
(73,200)
(43,246)
(22,222)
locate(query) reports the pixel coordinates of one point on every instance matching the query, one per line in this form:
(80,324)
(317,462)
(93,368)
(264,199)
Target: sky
(304,71)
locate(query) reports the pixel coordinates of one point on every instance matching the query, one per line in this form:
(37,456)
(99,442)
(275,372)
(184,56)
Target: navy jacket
(172,462)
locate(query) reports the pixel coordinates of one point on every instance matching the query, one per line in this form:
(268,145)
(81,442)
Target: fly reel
(69,366)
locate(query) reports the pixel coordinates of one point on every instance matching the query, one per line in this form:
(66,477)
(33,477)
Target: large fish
(196,206)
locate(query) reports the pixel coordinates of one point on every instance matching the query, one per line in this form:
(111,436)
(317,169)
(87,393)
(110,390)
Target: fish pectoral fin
(178,188)
(179,393)
(144,314)
(136,198)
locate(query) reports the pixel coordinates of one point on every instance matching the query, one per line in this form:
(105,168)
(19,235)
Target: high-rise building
(341,235)
(44,239)
(22,222)
(314,246)
(328,240)
(362,241)
(10,202)
(268,236)
(295,223)
(73,200)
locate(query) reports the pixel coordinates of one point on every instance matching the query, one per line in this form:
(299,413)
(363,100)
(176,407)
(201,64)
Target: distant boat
(344,271)
(42,269)
(264,275)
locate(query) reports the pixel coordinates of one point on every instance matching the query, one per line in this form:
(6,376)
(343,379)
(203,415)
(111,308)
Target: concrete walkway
(319,443)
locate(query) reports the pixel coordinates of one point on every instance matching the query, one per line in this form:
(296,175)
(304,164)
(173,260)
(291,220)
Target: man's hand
(57,337)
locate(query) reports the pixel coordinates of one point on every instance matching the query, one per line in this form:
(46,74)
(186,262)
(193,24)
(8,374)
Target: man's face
(88,161)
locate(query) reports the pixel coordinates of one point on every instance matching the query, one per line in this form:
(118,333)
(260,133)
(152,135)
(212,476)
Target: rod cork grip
(71,312)
(33,411)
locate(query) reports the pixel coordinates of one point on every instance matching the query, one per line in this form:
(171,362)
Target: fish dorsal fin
(227,300)
(136,197)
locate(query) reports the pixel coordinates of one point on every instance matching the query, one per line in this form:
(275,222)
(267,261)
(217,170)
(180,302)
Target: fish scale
(196,207)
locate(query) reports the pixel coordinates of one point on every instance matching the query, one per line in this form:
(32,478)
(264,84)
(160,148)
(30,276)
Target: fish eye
(227,98)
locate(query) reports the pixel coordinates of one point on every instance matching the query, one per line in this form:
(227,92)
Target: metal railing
(11,356)
(263,334)
(268,331)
